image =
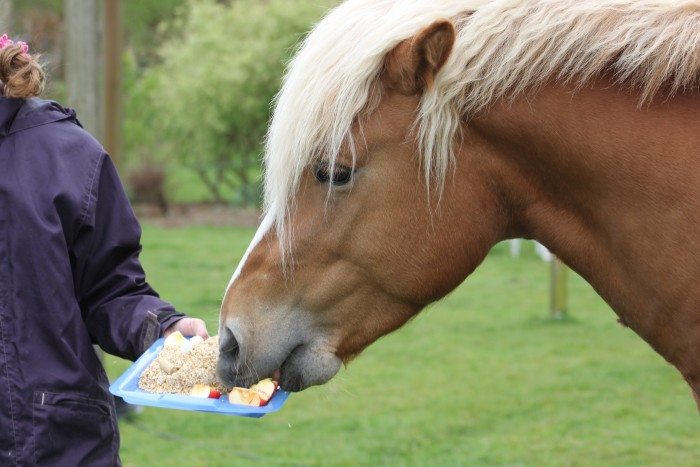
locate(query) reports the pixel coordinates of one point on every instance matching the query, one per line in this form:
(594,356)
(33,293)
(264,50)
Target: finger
(201,329)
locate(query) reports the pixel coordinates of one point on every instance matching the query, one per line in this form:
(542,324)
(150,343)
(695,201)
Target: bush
(148,187)
(206,105)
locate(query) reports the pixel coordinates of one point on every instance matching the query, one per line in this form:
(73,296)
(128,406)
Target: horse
(409,137)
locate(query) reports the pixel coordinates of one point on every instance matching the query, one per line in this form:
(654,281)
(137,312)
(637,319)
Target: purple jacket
(69,278)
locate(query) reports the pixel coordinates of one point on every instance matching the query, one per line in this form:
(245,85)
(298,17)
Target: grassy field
(483,378)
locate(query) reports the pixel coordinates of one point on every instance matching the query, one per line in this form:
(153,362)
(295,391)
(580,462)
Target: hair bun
(21,74)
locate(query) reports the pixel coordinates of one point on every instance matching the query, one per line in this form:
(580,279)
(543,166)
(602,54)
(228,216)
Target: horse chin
(308,366)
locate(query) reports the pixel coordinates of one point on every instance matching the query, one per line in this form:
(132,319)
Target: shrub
(210,95)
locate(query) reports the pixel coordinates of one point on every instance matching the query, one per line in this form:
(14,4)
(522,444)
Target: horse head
(364,244)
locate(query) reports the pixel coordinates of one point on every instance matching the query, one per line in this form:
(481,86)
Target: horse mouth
(305,366)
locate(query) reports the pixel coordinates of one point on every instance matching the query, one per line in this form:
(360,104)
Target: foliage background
(205,105)
(199,76)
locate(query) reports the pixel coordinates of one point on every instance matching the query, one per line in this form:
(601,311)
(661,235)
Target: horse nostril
(227,364)
(228,345)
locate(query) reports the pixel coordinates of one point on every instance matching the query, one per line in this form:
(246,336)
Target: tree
(83,47)
(5,16)
(212,91)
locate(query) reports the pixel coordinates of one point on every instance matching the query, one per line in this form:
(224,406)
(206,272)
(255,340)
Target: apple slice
(174,340)
(202,390)
(244,396)
(257,395)
(266,388)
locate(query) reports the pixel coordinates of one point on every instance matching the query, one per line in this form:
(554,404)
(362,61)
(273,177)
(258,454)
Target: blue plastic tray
(127,387)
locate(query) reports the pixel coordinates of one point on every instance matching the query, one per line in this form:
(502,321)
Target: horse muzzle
(298,365)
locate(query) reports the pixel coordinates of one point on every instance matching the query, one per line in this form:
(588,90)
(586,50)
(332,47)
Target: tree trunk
(6,17)
(113,80)
(82,71)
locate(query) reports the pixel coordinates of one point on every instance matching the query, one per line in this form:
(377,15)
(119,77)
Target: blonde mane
(504,48)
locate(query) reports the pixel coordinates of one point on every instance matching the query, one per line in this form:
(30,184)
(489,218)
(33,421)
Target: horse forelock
(504,48)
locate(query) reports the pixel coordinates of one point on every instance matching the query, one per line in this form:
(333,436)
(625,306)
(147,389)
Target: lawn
(482,378)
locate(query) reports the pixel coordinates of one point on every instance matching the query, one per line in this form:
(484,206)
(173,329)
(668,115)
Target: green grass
(483,378)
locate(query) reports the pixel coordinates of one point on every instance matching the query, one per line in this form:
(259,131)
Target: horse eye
(335,175)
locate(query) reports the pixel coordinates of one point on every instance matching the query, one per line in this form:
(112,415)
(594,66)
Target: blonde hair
(504,49)
(21,74)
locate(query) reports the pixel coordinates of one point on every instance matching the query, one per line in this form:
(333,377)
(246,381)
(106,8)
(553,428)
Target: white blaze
(265,225)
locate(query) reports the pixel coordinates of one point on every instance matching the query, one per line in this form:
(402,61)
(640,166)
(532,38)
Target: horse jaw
(308,365)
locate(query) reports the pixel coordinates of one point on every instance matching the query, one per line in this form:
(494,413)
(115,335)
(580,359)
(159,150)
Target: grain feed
(184,370)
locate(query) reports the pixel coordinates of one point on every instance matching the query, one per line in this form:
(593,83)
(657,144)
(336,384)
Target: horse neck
(589,166)
(612,190)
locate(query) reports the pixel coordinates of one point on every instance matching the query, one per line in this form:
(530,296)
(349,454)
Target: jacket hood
(21,114)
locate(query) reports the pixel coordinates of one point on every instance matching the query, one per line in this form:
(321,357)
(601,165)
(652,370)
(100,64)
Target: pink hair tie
(5,42)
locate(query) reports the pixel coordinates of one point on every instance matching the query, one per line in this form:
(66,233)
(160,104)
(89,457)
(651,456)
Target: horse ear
(412,65)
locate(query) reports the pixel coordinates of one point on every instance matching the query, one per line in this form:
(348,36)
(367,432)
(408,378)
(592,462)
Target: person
(70,277)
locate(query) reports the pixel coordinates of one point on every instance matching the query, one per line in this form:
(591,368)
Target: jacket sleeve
(123,314)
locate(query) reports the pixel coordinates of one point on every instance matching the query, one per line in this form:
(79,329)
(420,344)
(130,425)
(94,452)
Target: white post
(558,291)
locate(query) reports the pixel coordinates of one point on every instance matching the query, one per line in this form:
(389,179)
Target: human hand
(188,327)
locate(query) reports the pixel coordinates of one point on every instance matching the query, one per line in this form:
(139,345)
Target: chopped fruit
(186,346)
(174,340)
(266,388)
(243,396)
(257,395)
(167,366)
(202,390)
(196,340)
